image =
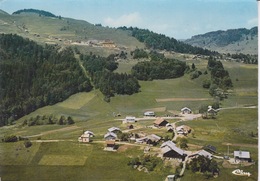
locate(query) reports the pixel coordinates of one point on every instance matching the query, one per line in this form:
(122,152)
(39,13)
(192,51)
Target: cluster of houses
(168,149)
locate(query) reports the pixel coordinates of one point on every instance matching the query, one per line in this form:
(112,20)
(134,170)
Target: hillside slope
(66,31)
(231,41)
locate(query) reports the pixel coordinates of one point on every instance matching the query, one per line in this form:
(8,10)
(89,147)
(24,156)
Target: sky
(180,19)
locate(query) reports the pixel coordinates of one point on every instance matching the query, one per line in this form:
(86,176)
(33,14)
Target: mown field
(68,160)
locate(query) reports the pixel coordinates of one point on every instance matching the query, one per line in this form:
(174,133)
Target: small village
(166,149)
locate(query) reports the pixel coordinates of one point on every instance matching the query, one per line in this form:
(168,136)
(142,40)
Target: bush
(10,138)
(27,143)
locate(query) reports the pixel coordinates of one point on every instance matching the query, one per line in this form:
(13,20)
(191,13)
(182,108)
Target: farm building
(110,145)
(160,122)
(201,153)
(149,114)
(129,119)
(170,150)
(150,139)
(211,112)
(183,129)
(110,136)
(114,130)
(210,148)
(243,156)
(171,178)
(85,138)
(186,110)
(90,133)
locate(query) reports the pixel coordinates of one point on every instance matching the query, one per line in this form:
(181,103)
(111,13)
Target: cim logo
(241,173)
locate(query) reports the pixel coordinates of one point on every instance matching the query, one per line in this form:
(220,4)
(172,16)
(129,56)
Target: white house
(242,156)
(129,119)
(186,110)
(149,113)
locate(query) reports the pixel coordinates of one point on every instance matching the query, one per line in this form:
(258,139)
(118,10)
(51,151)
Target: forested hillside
(32,76)
(231,41)
(161,42)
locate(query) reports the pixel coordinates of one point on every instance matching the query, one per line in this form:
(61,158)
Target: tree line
(159,68)
(161,42)
(108,82)
(33,76)
(36,11)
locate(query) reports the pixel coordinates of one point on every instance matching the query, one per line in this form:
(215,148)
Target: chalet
(169,150)
(110,136)
(90,133)
(171,178)
(211,112)
(110,145)
(84,138)
(160,122)
(183,129)
(170,129)
(149,114)
(210,148)
(114,130)
(150,139)
(186,110)
(243,156)
(129,119)
(201,153)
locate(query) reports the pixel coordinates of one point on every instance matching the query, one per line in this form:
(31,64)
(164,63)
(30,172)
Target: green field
(63,158)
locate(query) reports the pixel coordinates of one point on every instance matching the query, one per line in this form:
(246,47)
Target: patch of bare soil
(123,148)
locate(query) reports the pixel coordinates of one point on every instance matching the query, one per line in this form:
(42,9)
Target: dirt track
(182,99)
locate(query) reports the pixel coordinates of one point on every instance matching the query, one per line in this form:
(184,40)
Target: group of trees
(246,58)
(161,42)
(220,79)
(110,83)
(159,69)
(204,165)
(139,53)
(50,119)
(147,161)
(36,11)
(33,76)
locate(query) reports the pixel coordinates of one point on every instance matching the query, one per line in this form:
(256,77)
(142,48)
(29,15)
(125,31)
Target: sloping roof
(85,136)
(168,143)
(153,137)
(185,108)
(113,129)
(159,121)
(110,134)
(202,153)
(89,132)
(242,154)
(211,148)
(174,148)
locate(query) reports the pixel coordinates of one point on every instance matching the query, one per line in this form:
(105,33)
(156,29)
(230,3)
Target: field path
(53,131)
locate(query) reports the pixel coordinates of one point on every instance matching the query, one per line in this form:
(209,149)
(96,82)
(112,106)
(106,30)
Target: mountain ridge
(239,40)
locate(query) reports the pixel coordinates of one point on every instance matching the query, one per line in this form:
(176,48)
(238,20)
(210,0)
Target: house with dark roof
(210,148)
(160,122)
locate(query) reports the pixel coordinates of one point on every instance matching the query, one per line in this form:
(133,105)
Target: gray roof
(113,129)
(168,146)
(110,134)
(168,143)
(242,154)
(202,153)
(89,132)
(185,108)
